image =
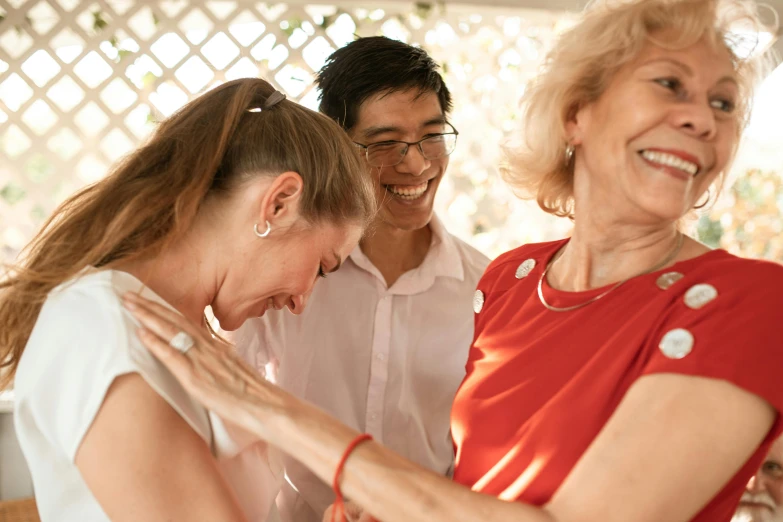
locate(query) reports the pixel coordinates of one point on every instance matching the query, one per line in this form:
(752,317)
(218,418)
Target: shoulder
(82,341)
(507,263)
(473,261)
(748,280)
(86,308)
(724,313)
(82,327)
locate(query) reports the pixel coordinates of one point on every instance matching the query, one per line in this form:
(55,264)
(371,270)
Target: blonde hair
(210,147)
(586,58)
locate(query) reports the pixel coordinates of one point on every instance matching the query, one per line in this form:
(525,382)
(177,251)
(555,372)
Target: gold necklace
(669,258)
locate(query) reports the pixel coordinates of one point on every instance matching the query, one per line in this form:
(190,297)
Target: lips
(672,159)
(758,500)
(408,192)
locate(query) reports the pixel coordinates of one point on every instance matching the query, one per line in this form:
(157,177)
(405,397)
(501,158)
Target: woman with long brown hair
(238,202)
(627,373)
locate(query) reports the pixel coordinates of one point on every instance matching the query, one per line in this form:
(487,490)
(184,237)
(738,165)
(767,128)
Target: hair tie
(273,99)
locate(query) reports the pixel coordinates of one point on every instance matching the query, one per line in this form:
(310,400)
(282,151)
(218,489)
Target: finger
(158,326)
(352,509)
(177,362)
(328,514)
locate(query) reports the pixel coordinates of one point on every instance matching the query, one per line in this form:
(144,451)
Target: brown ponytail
(151,197)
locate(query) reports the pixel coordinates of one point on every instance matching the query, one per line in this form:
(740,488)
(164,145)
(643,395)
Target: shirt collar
(442,260)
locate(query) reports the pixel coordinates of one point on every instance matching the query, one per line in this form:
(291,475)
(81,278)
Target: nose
(697,118)
(414,162)
(755,484)
(297,303)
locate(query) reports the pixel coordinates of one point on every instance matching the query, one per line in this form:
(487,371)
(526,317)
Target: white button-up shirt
(385,361)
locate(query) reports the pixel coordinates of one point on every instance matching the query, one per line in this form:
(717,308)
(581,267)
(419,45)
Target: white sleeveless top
(83,339)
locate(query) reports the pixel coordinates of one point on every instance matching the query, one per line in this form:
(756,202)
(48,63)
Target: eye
(321,272)
(722,104)
(673,84)
(772,468)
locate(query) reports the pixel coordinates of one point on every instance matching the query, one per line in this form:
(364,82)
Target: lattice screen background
(82,83)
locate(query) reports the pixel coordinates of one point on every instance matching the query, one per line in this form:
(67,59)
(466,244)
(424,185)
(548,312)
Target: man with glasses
(382,343)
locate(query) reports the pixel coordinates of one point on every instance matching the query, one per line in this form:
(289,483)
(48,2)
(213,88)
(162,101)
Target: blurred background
(83,83)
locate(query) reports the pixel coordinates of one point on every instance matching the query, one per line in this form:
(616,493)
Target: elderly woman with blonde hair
(625,373)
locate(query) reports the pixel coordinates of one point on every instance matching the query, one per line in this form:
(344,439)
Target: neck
(600,254)
(176,275)
(394,251)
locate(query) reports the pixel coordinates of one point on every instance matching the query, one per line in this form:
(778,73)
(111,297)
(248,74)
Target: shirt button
(524,269)
(699,295)
(677,343)
(668,279)
(373,416)
(380,357)
(478,301)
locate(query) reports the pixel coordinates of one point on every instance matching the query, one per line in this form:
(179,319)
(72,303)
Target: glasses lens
(439,146)
(385,154)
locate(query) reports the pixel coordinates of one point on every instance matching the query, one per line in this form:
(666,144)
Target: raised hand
(208,368)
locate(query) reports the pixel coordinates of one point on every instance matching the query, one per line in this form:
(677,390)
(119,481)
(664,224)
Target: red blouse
(540,384)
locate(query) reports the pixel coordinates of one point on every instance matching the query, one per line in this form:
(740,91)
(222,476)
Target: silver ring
(182,342)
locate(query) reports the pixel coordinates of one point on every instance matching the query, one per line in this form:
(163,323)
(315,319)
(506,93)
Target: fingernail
(129,305)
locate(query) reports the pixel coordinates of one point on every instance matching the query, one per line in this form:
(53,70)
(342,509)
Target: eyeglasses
(392,152)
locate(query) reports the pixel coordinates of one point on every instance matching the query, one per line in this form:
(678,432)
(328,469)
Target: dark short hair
(373,65)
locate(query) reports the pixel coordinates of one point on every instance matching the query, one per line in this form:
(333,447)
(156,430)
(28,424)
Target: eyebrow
(687,70)
(339,263)
(372,132)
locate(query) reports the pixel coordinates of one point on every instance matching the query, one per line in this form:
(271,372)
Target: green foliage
(423,9)
(12,193)
(148,80)
(291,25)
(748,219)
(99,23)
(39,168)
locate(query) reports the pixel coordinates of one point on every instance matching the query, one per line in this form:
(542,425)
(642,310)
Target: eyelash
(675,85)
(773,468)
(321,272)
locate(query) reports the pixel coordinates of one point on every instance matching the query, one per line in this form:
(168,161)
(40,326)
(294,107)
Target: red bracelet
(338,501)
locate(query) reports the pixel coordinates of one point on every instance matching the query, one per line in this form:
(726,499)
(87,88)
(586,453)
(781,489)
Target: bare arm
(668,449)
(142,461)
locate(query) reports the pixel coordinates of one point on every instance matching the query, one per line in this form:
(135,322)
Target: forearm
(390,487)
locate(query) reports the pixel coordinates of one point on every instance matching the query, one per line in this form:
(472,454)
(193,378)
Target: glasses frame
(454,132)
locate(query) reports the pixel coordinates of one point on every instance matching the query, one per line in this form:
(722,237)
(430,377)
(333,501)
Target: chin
(228,324)
(411,222)
(664,209)
(746,513)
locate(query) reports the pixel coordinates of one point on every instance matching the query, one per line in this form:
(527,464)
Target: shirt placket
(379,368)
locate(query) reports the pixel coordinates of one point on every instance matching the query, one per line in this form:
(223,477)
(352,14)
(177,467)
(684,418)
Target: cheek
(776,490)
(726,148)
(441,164)
(301,270)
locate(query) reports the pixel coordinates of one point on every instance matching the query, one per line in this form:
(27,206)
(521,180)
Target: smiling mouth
(408,192)
(664,159)
(755,504)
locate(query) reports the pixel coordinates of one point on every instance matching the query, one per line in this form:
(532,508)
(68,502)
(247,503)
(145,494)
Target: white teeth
(670,160)
(408,191)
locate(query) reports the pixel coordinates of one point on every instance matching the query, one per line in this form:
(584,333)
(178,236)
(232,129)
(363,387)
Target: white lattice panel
(81,83)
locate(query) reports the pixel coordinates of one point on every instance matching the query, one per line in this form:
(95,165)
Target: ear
(576,123)
(280,203)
